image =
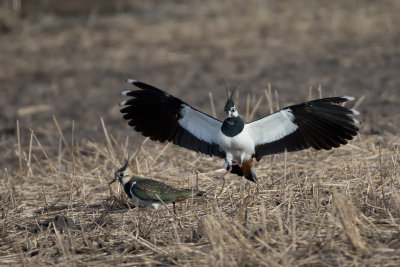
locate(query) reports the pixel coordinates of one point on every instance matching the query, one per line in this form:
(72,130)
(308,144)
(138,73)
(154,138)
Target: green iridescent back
(151,190)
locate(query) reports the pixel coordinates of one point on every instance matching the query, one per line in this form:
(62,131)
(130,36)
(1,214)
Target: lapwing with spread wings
(321,124)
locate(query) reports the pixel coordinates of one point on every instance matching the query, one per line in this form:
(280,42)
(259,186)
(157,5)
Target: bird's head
(230,109)
(122,175)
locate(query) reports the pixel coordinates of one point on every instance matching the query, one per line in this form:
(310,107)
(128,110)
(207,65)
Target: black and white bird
(320,124)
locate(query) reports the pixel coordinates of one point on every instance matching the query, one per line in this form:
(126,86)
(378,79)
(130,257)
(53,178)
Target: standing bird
(320,123)
(143,191)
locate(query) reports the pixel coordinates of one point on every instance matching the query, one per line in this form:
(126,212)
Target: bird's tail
(246,170)
(188,193)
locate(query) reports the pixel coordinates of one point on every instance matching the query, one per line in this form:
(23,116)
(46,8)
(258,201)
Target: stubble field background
(63,65)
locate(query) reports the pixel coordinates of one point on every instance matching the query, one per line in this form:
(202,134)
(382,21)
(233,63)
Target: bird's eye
(233,109)
(121,174)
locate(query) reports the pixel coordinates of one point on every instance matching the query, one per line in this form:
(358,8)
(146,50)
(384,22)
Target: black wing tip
(352,111)
(138,84)
(123,103)
(335,99)
(338,100)
(127,93)
(348,98)
(131,81)
(341,99)
(142,85)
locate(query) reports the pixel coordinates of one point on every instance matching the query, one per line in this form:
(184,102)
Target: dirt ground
(63,65)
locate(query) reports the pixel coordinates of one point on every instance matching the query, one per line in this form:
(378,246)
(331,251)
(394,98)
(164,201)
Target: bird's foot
(227,171)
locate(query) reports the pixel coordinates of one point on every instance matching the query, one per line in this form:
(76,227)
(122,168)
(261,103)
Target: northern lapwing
(144,191)
(321,124)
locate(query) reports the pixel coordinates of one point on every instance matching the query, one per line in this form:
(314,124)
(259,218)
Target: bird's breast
(240,146)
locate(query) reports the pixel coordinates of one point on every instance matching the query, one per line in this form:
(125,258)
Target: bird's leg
(227,166)
(228,171)
(230,168)
(173,204)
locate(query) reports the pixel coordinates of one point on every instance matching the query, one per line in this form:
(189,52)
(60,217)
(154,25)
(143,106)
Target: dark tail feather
(251,175)
(236,170)
(248,173)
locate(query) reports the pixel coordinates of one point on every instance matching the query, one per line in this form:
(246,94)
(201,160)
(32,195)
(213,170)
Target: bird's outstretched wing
(321,124)
(163,117)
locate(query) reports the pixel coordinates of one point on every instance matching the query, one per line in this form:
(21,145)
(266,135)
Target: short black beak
(114,180)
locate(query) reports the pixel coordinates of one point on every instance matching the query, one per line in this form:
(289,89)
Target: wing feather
(321,124)
(163,117)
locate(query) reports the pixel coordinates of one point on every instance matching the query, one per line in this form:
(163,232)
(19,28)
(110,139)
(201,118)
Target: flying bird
(320,124)
(144,191)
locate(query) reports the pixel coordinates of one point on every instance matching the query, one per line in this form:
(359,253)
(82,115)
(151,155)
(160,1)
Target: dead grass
(339,207)
(336,207)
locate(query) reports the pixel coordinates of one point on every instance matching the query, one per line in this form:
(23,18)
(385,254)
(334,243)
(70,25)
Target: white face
(124,177)
(232,112)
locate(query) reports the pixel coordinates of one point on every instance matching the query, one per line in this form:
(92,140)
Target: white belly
(138,201)
(239,147)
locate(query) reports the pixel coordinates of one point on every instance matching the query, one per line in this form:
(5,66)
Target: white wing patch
(273,127)
(200,125)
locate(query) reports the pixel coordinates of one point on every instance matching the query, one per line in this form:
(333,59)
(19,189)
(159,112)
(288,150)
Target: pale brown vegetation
(339,207)
(336,207)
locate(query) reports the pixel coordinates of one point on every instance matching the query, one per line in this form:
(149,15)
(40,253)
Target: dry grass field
(62,67)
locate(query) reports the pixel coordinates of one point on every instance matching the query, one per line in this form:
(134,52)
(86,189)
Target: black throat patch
(127,188)
(232,126)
